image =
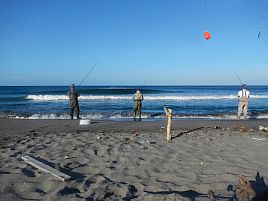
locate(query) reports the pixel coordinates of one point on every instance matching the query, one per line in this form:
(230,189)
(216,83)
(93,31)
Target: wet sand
(109,160)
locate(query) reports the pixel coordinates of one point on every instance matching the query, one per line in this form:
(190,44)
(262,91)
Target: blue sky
(56,42)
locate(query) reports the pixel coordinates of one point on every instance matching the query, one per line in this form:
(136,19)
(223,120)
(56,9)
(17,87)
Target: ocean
(115,102)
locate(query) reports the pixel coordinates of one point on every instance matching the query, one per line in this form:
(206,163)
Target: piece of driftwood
(41,166)
(168,119)
(244,190)
(211,195)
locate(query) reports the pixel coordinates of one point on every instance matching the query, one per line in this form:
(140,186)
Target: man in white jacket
(243,96)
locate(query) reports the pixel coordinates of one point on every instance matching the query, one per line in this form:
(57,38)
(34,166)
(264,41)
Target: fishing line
(262,19)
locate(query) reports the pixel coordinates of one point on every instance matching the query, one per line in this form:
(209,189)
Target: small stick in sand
(168,119)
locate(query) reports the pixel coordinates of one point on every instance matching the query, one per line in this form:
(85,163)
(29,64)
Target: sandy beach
(113,160)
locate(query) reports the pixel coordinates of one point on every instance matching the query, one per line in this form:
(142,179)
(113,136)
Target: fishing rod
(144,83)
(262,19)
(238,78)
(91,69)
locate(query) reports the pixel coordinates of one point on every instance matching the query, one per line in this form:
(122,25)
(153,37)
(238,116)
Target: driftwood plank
(41,166)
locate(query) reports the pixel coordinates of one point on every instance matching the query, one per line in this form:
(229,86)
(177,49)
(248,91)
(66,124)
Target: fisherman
(137,99)
(74,106)
(243,96)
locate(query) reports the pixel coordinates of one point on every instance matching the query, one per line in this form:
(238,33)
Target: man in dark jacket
(137,99)
(74,106)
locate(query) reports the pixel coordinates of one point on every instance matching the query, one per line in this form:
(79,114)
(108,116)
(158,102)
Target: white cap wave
(128,97)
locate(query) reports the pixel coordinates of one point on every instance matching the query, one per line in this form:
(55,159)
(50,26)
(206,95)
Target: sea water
(115,102)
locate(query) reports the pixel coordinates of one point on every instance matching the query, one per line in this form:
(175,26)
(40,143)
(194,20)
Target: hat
(244,86)
(72,86)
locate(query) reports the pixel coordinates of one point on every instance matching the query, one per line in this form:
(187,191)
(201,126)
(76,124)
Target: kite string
(263,10)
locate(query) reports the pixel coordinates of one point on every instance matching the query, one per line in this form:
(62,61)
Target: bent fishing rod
(144,82)
(91,69)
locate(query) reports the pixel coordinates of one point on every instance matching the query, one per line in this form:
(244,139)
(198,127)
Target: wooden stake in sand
(41,166)
(168,119)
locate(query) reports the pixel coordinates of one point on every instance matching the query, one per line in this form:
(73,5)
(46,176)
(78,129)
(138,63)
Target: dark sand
(111,160)
(11,129)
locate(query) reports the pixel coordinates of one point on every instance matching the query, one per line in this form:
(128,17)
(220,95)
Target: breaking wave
(127,97)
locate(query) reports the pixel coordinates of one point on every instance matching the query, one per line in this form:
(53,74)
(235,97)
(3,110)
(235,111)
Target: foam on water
(144,116)
(147,97)
(129,116)
(115,102)
(62,116)
(49,116)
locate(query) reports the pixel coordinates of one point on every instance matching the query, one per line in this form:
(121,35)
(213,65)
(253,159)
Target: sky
(156,42)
